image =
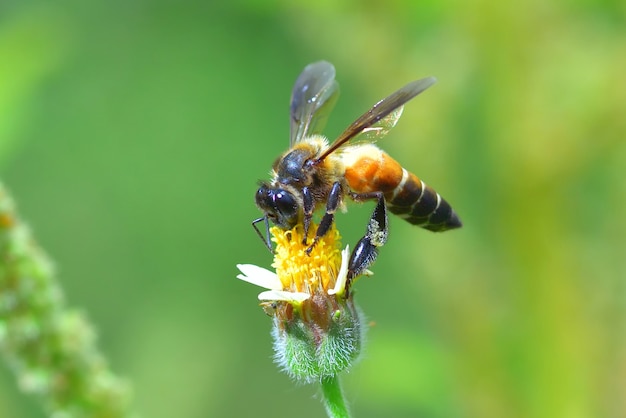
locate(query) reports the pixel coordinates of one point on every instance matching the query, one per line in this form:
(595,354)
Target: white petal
(283,295)
(342,276)
(259,276)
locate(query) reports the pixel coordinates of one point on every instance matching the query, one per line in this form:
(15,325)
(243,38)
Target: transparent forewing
(313,97)
(379,129)
(383,116)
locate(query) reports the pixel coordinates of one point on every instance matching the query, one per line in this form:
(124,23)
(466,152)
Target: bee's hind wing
(313,97)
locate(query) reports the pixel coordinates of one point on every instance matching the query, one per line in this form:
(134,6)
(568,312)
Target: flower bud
(317,339)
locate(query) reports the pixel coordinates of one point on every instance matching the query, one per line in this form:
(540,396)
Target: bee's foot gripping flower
(317,328)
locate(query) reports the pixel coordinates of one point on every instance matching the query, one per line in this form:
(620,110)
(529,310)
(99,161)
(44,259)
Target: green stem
(50,348)
(333,398)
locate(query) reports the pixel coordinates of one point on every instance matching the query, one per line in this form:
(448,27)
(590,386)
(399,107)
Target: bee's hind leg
(366,250)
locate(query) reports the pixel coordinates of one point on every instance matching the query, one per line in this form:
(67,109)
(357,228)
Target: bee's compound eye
(279,205)
(286,204)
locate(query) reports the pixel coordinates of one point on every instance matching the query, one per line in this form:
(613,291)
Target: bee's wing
(377,130)
(383,116)
(313,97)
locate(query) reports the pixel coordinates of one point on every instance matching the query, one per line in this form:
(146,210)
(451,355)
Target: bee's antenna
(266,239)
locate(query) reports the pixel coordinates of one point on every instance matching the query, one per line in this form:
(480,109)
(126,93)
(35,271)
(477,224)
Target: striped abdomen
(369,169)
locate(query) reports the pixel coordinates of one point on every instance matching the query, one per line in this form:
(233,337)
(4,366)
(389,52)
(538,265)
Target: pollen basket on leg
(300,272)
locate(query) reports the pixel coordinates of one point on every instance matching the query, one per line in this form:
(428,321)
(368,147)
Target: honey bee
(313,174)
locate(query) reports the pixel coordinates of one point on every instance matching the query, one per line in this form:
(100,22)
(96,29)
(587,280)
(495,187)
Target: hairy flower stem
(50,348)
(333,398)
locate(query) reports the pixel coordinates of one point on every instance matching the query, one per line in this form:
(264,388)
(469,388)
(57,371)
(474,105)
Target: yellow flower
(317,329)
(299,275)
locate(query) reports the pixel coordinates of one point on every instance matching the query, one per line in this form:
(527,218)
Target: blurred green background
(132,135)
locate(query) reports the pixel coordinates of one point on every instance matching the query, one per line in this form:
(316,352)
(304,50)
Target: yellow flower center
(302,272)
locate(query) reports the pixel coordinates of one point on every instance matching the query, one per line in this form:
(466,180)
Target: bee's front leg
(366,249)
(309,205)
(332,203)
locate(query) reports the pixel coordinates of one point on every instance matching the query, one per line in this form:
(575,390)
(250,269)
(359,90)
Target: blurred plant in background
(132,135)
(50,348)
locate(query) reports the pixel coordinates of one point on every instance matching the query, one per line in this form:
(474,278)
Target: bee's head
(280,205)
